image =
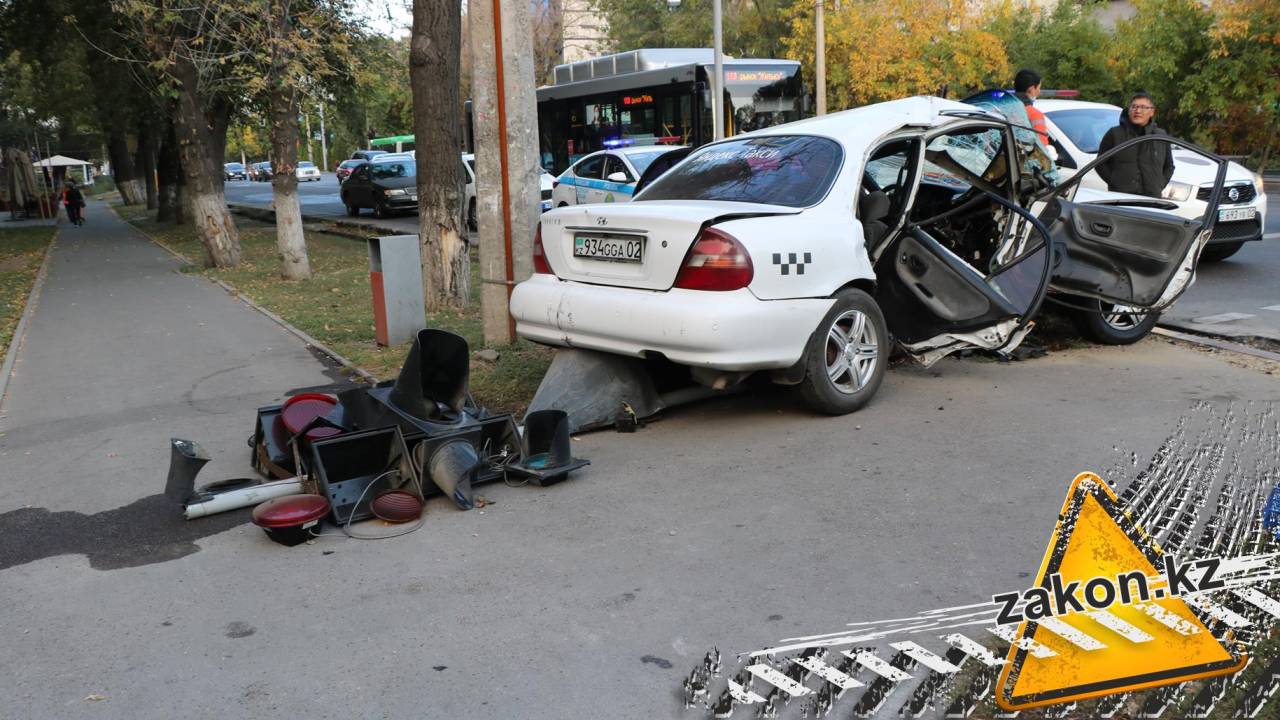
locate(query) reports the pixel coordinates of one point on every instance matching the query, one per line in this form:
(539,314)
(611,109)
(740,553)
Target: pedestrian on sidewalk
(1026,85)
(1144,169)
(74,202)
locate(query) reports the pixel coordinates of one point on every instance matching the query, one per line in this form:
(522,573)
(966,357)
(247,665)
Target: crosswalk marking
(826,672)
(1071,634)
(743,695)
(925,658)
(1010,635)
(770,674)
(1257,599)
(1169,619)
(878,666)
(1120,627)
(973,650)
(1218,612)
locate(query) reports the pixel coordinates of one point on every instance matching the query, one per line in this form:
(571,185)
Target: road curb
(289,327)
(20,330)
(1217,343)
(366,230)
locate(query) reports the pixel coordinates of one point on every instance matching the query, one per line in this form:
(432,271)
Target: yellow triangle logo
(1122,648)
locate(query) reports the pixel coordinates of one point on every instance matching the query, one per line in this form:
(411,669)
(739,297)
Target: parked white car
(1076,128)
(307,171)
(801,249)
(606,176)
(546,182)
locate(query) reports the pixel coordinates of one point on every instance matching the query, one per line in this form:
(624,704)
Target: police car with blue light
(607,175)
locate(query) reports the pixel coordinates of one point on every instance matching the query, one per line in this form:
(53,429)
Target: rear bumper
(721,330)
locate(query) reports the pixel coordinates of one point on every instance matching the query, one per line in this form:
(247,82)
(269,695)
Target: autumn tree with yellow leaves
(885,49)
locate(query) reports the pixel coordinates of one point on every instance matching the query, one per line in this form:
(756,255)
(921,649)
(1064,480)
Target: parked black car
(234,171)
(387,186)
(345,167)
(367,154)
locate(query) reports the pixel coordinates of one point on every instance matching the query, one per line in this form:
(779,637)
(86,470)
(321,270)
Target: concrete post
(717,84)
(820,77)
(324,143)
(508,193)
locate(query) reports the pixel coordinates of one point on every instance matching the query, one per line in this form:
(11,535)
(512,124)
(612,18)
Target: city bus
(658,96)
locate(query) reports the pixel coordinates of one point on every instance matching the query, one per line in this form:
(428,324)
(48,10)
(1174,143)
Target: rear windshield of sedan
(393,169)
(789,170)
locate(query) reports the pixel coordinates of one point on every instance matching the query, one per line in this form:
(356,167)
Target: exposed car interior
(952,267)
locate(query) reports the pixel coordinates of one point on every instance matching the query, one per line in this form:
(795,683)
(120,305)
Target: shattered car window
(1030,148)
(978,152)
(790,170)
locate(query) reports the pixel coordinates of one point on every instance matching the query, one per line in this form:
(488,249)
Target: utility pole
(307,119)
(821,53)
(717,100)
(506,137)
(324,142)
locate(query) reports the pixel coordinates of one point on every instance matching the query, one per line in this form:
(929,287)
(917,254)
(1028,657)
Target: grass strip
(336,306)
(22,250)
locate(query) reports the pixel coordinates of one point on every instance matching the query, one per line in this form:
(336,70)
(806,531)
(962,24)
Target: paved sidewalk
(121,353)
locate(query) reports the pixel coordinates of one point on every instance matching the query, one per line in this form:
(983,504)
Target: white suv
(1076,128)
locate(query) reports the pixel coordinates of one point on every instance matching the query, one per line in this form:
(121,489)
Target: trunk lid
(637,244)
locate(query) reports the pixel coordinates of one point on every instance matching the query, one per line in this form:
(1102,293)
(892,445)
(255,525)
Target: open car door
(1128,253)
(969,268)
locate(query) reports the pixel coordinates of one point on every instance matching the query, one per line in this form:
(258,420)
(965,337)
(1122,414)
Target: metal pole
(307,118)
(821,78)
(324,142)
(717,98)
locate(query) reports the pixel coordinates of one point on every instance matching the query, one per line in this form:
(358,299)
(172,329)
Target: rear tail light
(540,264)
(717,261)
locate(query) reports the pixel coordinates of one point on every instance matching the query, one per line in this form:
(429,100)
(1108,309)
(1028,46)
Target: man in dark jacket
(1145,168)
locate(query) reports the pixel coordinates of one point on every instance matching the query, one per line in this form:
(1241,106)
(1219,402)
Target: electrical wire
(346,527)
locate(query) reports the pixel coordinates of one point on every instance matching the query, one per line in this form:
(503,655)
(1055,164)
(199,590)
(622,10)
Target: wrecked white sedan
(803,249)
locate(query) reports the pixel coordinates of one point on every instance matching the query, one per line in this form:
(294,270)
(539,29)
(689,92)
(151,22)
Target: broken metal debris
(378,451)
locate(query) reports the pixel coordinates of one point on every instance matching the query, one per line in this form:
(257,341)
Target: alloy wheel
(852,351)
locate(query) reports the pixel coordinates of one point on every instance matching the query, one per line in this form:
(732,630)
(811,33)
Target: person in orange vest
(1026,85)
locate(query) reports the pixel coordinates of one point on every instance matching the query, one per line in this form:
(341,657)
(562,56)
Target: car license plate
(603,247)
(1231,214)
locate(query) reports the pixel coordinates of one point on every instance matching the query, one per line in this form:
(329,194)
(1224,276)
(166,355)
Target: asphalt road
(319,199)
(1237,297)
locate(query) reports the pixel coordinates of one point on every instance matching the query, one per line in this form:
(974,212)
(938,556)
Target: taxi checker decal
(794,260)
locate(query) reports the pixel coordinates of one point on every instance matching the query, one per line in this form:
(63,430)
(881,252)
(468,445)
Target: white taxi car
(799,250)
(606,175)
(1076,129)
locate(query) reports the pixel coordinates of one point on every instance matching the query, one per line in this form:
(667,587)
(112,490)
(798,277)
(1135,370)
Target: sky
(388,17)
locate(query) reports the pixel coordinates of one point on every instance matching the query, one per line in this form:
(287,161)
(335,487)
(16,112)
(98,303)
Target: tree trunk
(434,78)
(122,168)
(145,161)
(208,206)
(169,170)
(290,240)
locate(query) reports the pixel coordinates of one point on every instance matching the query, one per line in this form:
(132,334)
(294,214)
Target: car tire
(563,204)
(846,357)
(380,210)
(353,210)
(1106,327)
(1219,251)
(473,222)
